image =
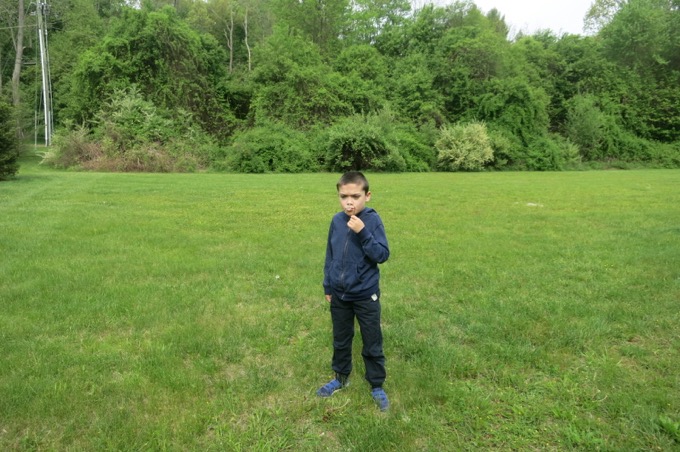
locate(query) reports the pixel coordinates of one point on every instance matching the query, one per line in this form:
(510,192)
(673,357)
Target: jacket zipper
(344,266)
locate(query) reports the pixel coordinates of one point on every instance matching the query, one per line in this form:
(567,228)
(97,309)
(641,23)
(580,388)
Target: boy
(356,245)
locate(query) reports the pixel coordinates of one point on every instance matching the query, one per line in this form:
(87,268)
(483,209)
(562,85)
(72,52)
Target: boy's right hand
(328,298)
(355,224)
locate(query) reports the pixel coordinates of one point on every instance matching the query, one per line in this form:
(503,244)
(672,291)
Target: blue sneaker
(329,388)
(380,398)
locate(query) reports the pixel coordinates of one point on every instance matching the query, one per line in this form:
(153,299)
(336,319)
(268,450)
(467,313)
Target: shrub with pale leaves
(464,147)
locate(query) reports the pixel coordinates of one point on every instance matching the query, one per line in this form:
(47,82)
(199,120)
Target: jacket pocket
(362,271)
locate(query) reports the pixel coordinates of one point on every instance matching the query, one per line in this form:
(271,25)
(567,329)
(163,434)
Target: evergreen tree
(9,145)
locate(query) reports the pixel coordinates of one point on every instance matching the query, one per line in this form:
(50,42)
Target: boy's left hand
(355,224)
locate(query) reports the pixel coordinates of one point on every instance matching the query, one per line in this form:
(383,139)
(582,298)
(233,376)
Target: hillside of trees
(329,85)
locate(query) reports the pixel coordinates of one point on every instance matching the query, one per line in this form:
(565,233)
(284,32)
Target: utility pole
(42,12)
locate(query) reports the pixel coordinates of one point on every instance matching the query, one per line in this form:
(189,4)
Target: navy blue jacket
(351,270)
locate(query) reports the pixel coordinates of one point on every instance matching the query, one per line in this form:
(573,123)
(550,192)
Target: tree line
(310,85)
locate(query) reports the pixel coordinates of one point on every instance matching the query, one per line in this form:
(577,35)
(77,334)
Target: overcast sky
(561,16)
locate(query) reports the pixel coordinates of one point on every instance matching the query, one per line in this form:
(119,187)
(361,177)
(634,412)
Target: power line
(16,27)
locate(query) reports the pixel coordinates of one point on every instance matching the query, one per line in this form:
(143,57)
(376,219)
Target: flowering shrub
(463,147)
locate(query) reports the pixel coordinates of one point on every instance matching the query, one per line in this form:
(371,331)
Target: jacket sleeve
(327,263)
(374,242)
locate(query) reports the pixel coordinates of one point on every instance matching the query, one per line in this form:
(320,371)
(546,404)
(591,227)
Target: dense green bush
(666,155)
(364,142)
(416,146)
(515,105)
(9,145)
(412,91)
(628,147)
(129,120)
(365,72)
(270,147)
(464,147)
(295,86)
(79,148)
(506,147)
(131,134)
(589,127)
(595,127)
(72,148)
(549,153)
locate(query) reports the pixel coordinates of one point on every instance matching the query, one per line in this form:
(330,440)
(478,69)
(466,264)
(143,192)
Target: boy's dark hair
(353,177)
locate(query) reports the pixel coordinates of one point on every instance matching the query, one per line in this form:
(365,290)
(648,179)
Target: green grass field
(521,311)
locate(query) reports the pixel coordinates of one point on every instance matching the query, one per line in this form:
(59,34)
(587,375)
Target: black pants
(367,313)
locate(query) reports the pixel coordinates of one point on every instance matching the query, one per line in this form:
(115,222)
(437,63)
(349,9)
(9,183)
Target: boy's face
(353,199)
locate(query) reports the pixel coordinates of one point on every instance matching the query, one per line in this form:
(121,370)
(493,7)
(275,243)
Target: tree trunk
(18,60)
(19,44)
(229,35)
(245,26)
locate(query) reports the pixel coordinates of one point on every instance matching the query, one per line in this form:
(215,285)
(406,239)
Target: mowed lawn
(521,311)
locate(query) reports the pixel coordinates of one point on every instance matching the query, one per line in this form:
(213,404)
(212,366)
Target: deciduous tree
(173,66)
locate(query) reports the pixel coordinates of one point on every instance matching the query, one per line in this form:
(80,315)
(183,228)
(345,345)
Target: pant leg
(342,316)
(368,315)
